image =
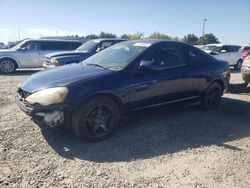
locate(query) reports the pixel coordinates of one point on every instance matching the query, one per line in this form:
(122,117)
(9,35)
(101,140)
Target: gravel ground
(168,147)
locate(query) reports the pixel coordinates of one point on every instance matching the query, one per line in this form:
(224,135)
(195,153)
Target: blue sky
(227,19)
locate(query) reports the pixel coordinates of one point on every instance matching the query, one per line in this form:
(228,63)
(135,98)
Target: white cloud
(49,32)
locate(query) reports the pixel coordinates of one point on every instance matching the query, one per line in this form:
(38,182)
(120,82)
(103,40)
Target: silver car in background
(230,53)
(30,53)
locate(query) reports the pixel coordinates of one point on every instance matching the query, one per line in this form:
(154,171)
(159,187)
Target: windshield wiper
(96,65)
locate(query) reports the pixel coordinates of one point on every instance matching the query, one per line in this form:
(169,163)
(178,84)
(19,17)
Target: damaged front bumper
(53,115)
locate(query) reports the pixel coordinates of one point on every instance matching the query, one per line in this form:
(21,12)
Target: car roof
(220,45)
(54,40)
(108,39)
(155,41)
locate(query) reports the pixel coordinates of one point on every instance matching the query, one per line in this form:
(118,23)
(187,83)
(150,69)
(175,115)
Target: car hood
(67,53)
(7,51)
(62,76)
(207,51)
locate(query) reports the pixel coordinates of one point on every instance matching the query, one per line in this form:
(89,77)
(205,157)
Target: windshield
(117,56)
(89,46)
(18,45)
(212,48)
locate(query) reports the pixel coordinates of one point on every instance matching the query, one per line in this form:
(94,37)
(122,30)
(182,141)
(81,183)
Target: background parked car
(245,70)
(29,53)
(88,49)
(93,95)
(2,45)
(245,51)
(229,53)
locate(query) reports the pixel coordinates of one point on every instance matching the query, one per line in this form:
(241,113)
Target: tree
(107,35)
(158,35)
(191,39)
(174,38)
(125,36)
(136,36)
(91,36)
(208,39)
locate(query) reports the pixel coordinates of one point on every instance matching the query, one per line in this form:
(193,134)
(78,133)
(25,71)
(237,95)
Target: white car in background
(2,45)
(230,53)
(30,53)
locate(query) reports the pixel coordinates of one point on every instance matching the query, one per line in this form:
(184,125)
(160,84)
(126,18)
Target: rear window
(231,48)
(197,56)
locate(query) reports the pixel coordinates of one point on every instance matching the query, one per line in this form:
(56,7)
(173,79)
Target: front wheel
(212,96)
(7,66)
(96,120)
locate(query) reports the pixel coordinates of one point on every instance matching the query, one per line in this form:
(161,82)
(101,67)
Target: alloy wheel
(7,66)
(99,121)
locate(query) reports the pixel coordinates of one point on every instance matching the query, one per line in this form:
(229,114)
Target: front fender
(10,56)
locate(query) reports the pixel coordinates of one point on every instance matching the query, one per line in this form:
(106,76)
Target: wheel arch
(12,58)
(110,95)
(219,82)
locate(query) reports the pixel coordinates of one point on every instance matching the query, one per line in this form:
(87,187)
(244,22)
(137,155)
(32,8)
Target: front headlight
(54,62)
(48,96)
(19,85)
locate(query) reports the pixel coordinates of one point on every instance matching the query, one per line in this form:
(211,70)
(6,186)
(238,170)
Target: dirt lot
(171,147)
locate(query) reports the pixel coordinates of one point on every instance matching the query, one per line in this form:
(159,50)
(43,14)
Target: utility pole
(203,30)
(19,35)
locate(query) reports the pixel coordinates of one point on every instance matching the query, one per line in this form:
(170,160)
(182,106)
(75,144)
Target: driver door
(166,82)
(29,54)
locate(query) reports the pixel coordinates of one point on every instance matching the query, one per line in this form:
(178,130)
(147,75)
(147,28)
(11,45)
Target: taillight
(244,53)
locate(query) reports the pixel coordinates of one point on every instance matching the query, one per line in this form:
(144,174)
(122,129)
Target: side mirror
(98,49)
(146,65)
(23,49)
(223,51)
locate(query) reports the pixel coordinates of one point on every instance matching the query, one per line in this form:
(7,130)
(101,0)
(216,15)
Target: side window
(224,48)
(64,46)
(195,56)
(55,45)
(236,48)
(32,45)
(105,45)
(46,45)
(167,57)
(231,49)
(75,45)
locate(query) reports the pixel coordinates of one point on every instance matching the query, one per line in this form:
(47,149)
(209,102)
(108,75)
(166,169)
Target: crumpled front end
(52,115)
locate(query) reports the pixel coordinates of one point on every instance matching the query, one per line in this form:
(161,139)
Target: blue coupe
(91,97)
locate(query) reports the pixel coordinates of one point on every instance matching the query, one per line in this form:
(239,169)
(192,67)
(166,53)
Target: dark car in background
(91,97)
(86,50)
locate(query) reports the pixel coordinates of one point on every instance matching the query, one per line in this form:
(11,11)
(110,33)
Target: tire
(238,65)
(7,65)
(96,120)
(212,96)
(246,83)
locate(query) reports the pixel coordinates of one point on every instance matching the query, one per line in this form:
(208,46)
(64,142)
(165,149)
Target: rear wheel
(212,96)
(96,120)
(238,65)
(7,66)
(246,83)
